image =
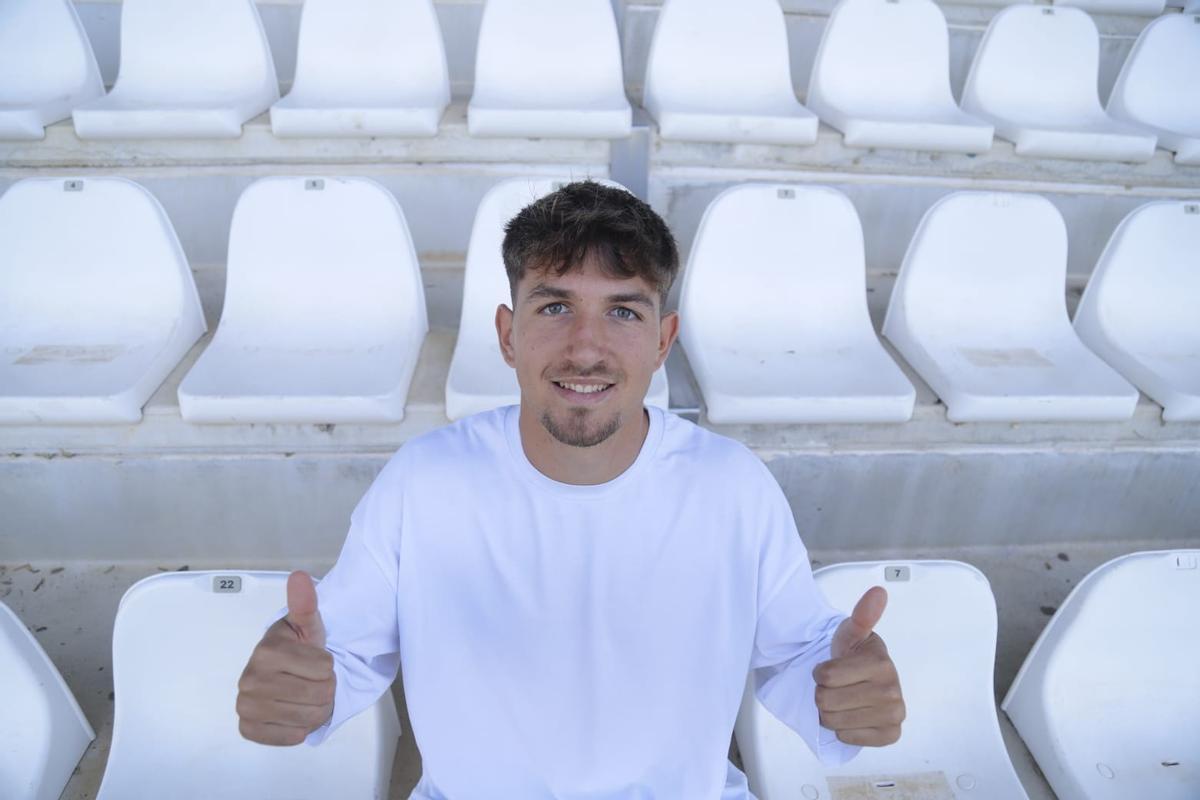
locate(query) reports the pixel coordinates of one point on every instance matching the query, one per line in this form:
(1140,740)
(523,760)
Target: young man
(577,586)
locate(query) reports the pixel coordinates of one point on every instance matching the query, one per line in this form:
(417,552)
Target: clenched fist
(858,691)
(286,690)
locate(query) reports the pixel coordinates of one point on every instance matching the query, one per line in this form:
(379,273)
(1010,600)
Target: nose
(586,341)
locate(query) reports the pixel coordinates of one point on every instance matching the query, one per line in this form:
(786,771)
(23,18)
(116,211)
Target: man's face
(584,346)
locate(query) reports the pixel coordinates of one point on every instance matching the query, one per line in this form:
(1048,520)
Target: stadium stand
(91,509)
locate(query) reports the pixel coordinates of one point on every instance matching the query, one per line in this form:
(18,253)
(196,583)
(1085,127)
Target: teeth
(582,389)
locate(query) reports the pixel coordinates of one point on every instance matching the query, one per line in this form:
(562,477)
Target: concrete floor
(70,607)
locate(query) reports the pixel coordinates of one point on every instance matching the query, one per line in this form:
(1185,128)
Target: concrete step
(70,606)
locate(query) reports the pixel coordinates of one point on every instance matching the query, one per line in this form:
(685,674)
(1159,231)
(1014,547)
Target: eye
(553,309)
(625,313)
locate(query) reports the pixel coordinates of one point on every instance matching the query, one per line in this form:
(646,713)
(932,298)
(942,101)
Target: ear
(504,328)
(668,330)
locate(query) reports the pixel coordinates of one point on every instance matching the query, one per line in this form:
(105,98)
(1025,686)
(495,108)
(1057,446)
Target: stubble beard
(576,432)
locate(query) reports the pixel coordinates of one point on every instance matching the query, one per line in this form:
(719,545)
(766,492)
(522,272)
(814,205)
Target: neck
(582,466)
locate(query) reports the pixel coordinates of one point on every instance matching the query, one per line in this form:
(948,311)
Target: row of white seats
(324,316)
(717,72)
(1107,700)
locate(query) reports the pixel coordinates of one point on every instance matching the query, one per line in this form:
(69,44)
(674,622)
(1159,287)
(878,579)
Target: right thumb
(302,616)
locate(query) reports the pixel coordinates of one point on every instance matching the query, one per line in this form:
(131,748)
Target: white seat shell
(324,313)
(47,66)
(1107,700)
(479,378)
(46,732)
(979,311)
(1138,311)
(1035,77)
(188,70)
(549,68)
(810,353)
(366,68)
(1151,90)
(180,643)
(882,77)
(940,630)
(97,303)
(720,72)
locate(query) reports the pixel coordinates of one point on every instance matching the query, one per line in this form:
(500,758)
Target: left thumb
(855,629)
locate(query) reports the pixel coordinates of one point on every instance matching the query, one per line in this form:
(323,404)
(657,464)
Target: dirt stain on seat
(70,354)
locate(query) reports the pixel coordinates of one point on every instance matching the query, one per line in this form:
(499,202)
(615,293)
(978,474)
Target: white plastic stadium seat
(45,733)
(324,309)
(46,66)
(719,72)
(1156,88)
(180,643)
(979,311)
(940,630)
(549,68)
(1107,701)
(366,68)
(1147,8)
(187,70)
(810,353)
(1138,311)
(479,379)
(1035,77)
(882,77)
(97,304)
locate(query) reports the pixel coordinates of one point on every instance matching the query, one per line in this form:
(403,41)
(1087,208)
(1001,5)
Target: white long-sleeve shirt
(571,642)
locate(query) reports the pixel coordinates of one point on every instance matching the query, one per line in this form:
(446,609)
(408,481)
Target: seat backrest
(1036,61)
(1145,288)
(771,260)
(985,265)
(1151,86)
(940,629)
(710,53)
(45,53)
(45,733)
(321,262)
(1111,682)
(81,255)
(212,50)
(391,44)
(883,54)
(557,51)
(180,643)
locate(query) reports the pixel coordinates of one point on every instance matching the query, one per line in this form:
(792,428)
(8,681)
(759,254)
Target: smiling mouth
(583,392)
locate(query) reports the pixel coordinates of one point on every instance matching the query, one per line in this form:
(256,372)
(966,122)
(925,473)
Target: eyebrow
(542,291)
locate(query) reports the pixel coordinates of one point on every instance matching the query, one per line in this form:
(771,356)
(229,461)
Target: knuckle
(822,697)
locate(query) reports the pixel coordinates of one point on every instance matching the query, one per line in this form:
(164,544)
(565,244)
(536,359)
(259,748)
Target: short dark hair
(559,231)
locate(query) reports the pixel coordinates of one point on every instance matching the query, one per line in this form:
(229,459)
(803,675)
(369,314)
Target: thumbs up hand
(286,691)
(858,691)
